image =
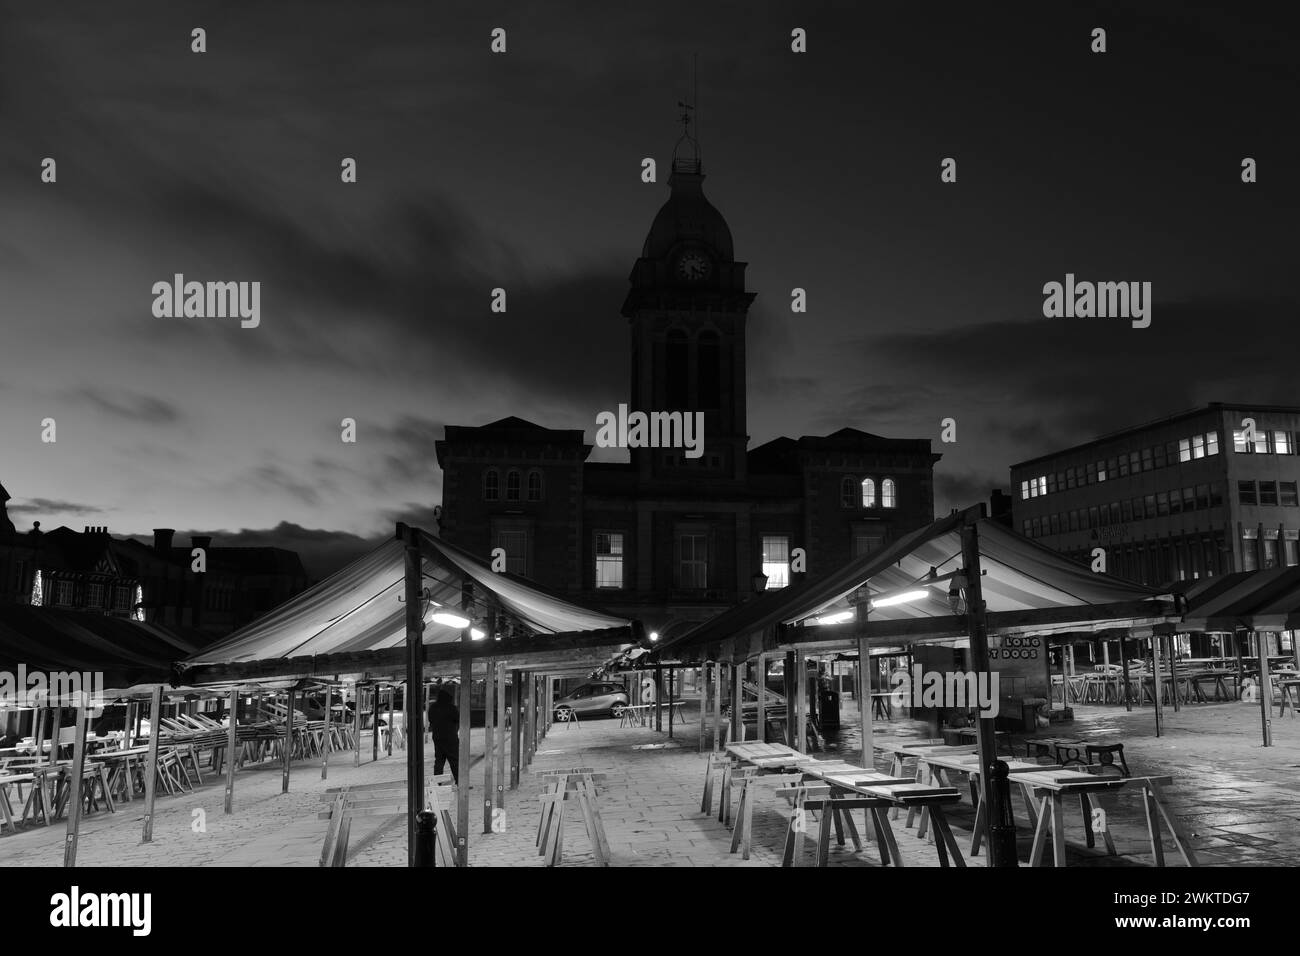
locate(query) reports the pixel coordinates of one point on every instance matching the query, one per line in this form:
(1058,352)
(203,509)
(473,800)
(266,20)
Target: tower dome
(687,216)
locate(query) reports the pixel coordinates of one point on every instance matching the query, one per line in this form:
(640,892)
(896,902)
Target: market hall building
(1189,496)
(666,538)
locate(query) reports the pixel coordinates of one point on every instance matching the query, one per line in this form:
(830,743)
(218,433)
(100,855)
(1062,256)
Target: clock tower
(686,310)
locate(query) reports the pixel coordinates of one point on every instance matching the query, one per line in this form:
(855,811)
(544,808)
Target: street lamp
(760,582)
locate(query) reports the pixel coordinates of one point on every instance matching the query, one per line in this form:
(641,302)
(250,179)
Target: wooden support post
(864,695)
(392,700)
(329,737)
(288,742)
(150,765)
(737,703)
(659,706)
(717,706)
(516,728)
(528,715)
(1123,664)
(705,685)
(1265,697)
(462,787)
(356,724)
(977,628)
(232,747)
(801,707)
(791,692)
(499,673)
(672,684)
(56,718)
(74,787)
(129,721)
(1155,680)
(761,680)
(489,744)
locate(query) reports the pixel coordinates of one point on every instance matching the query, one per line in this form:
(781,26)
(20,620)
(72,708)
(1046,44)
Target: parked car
(593,699)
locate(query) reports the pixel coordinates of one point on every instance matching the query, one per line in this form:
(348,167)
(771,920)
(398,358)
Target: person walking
(444,727)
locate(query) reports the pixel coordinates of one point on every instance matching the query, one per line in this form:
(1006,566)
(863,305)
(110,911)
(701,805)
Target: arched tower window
(534,486)
(710,370)
(491,485)
(848,492)
(868,492)
(677,370)
(887,496)
(512,485)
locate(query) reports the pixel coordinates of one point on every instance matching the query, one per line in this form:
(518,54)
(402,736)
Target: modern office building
(1200,493)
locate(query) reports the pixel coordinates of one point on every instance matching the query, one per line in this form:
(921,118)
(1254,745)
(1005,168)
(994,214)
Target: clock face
(694,267)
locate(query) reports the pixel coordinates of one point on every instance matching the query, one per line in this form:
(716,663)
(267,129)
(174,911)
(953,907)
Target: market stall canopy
(1026,587)
(1265,600)
(52,640)
(355,620)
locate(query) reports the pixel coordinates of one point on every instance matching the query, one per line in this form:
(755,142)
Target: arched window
(534,486)
(868,492)
(512,485)
(676,371)
(887,497)
(710,370)
(491,485)
(848,492)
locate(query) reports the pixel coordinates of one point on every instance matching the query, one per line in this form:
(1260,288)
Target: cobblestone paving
(1240,801)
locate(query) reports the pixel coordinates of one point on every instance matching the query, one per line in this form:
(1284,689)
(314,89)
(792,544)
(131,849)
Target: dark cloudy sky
(522,170)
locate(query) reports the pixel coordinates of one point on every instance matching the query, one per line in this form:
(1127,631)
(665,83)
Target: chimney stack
(203,541)
(162,539)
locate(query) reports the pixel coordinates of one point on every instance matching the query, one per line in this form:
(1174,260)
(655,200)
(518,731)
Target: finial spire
(683,161)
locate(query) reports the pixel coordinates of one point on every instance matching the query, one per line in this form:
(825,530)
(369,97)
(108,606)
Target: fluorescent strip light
(901,598)
(450,619)
(838,618)
(476,634)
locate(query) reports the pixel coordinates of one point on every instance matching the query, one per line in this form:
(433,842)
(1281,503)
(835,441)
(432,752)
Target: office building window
(1091,473)
(1287,494)
(1216,496)
(1249,561)
(1291,548)
(534,486)
(1268,493)
(1189,499)
(1126,511)
(1270,548)
(1239,443)
(1171,452)
(1024,490)
(1025,528)
(1184,449)
(1198,446)
(1138,513)
(512,485)
(1175,502)
(776,560)
(1117,468)
(515,543)
(888,499)
(1162,503)
(867,543)
(1202,497)
(1093,519)
(1134,462)
(609,559)
(1051,482)
(1102,471)
(868,492)
(491,485)
(849,491)
(1074,519)
(1037,525)
(693,561)
(1246,493)
(1054,524)
(1282,444)
(1114,512)
(1071,478)
(1146,459)
(1261,442)
(1211,443)
(1159,453)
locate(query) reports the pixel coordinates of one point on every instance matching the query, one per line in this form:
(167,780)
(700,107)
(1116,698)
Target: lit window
(1282,443)
(776,560)
(512,486)
(534,486)
(868,493)
(887,499)
(491,485)
(1102,470)
(1211,443)
(1198,446)
(693,561)
(609,559)
(1261,442)
(848,492)
(1239,442)
(1291,548)
(1184,449)
(1270,548)
(1024,490)
(1249,561)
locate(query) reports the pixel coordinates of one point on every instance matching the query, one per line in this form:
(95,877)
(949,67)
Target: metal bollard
(1002,825)
(426,833)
